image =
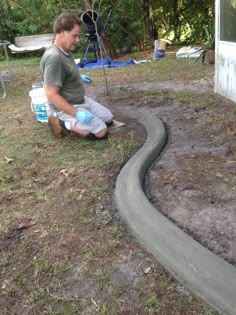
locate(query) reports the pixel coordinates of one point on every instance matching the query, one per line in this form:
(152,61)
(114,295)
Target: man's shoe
(93,137)
(56,126)
(109,124)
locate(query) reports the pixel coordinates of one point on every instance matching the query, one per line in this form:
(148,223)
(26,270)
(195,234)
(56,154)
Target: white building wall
(225,63)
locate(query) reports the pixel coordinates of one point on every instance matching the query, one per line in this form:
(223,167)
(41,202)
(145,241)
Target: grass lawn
(64,248)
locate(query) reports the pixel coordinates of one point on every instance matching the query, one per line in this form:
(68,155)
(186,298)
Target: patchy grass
(168,69)
(64,249)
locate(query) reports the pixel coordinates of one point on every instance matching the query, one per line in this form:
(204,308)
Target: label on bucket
(39,104)
(41,112)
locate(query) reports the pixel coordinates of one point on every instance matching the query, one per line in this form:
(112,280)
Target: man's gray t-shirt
(59,69)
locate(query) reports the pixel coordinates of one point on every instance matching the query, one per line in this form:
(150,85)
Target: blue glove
(84,117)
(86,78)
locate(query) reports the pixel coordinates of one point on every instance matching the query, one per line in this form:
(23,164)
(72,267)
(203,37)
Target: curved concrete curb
(206,274)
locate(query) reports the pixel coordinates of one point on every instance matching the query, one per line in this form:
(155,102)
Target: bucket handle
(32,108)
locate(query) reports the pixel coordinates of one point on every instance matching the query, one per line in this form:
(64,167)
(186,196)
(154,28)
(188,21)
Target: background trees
(134,23)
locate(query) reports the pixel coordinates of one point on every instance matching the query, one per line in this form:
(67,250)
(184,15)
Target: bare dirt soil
(193,182)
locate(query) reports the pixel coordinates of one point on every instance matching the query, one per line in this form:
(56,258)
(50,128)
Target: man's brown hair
(65,22)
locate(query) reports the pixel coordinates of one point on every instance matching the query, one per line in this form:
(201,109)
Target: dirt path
(193,181)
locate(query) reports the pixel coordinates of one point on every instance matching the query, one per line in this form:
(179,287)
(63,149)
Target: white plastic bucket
(39,104)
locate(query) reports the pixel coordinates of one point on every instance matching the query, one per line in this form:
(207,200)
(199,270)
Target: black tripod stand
(94,46)
(94,36)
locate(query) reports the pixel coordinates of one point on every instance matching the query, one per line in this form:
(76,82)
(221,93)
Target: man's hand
(84,117)
(86,78)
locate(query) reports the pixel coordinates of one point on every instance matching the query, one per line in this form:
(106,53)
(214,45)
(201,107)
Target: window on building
(228,20)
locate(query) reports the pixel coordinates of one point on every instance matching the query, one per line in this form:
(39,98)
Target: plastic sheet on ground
(107,63)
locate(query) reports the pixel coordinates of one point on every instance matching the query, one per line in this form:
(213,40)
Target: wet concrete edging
(204,273)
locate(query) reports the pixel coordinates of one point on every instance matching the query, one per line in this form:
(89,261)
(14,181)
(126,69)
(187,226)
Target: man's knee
(103,134)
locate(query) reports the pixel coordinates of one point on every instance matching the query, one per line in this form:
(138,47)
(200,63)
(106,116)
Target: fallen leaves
(147,270)
(81,192)
(7,160)
(64,172)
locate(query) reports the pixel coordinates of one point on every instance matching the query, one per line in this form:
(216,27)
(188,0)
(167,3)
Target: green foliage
(134,23)
(210,34)
(152,303)
(183,21)
(28,17)
(4,21)
(126,27)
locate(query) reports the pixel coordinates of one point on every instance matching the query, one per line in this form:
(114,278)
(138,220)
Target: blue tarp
(98,64)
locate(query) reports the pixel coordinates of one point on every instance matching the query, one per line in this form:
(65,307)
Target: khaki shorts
(101,115)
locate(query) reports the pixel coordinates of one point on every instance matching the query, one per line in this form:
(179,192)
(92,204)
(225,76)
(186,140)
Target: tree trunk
(176,21)
(109,47)
(150,29)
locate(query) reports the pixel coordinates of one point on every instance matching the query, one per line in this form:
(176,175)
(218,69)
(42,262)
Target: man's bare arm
(54,97)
